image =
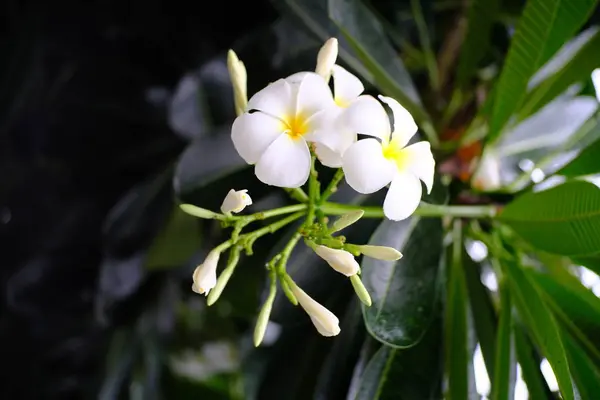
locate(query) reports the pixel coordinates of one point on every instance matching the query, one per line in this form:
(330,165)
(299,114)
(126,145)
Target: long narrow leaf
(542,29)
(505,369)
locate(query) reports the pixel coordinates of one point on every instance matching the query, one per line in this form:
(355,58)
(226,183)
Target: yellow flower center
(395,153)
(341,102)
(295,126)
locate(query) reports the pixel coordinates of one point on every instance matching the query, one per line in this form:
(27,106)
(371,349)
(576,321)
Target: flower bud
(263,319)
(346,220)
(360,290)
(237,73)
(596,82)
(235,201)
(340,260)
(324,320)
(198,211)
(380,252)
(487,176)
(326,58)
(205,274)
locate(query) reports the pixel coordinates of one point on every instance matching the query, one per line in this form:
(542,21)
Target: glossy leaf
(540,322)
(543,28)
(562,220)
(404,292)
(456,324)
(365,34)
(577,69)
(178,241)
(586,163)
(480,19)
(529,361)
(505,367)
(585,372)
(405,374)
(484,313)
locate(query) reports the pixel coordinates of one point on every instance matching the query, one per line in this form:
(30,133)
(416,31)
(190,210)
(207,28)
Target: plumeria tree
(453,185)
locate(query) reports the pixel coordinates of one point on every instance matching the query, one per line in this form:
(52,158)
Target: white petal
(365,167)
(296,78)
(404,124)
(420,162)
(277,99)
(253,133)
(367,116)
(313,95)
(596,82)
(328,157)
(286,163)
(403,197)
(346,86)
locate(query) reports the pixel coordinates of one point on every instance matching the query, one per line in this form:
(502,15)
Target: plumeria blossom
(205,275)
(371,164)
(279,121)
(235,201)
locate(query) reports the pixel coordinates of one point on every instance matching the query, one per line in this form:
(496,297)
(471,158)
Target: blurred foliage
(112,114)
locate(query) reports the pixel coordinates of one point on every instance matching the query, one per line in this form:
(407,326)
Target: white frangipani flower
(369,164)
(279,121)
(340,260)
(325,321)
(205,274)
(235,201)
(596,82)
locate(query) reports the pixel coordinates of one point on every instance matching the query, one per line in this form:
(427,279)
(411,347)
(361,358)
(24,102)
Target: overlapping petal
(368,117)
(365,167)
(313,95)
(277,99)
(253,133)
(405,126)
(403,196)
(285,163)
(346,86)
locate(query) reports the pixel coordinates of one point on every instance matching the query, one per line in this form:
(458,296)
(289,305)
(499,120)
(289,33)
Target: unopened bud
(199,212)
(340,260)
(205,275)
(346,220)
(263,319)
(325,321)
(234,257)
(360,290)
(487,176)
(326,58)
(235,201)
(237,73)
(380,252)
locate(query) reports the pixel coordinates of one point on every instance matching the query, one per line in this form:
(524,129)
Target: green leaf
(586,163)
(577,69)
(585,372)
(540,323)
(484,313)
(410,374)
(562,220)
(365,35)
(404,292)
(590,262)
(505,368)
(529,361)
(456,327)
(480,19)
(543,28)
(176,243)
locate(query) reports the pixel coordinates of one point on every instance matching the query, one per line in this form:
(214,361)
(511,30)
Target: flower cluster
(282,130)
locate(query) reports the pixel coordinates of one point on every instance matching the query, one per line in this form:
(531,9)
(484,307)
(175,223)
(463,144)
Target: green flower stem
(424,210)
(297,194)
(313,193)
(251,237)
(246,219)
(282,259)
(332,187)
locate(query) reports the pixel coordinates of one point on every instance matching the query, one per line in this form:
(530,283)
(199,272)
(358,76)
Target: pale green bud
(263,319)
(234,257)
(346,220)
(199,212)
(380,252)
(237,74)
(360,290)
